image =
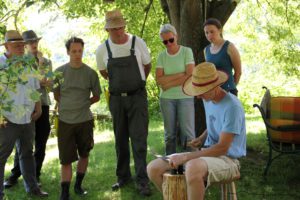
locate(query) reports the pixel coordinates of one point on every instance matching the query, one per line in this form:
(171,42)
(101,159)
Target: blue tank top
(222,62)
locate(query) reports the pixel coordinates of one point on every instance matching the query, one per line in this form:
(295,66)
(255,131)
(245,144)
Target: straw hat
(30,36)
(12,36)
(114,19)
(205,77)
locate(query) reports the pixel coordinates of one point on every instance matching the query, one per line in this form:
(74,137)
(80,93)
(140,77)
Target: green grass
(282,183)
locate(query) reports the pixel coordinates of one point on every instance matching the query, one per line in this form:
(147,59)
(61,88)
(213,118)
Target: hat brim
(189,89)
(16,41)
(33,39)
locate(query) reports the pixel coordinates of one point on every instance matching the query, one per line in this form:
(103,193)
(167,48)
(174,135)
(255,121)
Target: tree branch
(16,15)
(146,9)
(286,10)
(7,16)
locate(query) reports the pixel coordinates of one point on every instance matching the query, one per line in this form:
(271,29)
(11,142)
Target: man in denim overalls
(124,60)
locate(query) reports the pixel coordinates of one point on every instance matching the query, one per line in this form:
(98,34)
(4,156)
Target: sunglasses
(171,40)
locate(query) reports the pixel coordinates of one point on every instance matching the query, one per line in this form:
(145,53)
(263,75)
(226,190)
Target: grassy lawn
(283,182)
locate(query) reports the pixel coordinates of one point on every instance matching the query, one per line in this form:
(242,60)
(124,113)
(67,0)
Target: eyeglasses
(18,45)
(171,40)
(118,28)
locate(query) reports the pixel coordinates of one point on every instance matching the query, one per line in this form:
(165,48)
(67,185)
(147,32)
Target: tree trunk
(188,17)
(174,187)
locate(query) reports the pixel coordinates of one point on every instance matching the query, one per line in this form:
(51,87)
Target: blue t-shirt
(222,61)
(226,116)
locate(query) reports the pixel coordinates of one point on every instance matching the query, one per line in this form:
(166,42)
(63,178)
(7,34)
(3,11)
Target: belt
(125,94)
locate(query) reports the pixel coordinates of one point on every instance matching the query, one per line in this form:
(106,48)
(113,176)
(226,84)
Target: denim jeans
(179,112)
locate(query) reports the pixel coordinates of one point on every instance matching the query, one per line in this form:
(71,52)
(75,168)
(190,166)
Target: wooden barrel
(174,187)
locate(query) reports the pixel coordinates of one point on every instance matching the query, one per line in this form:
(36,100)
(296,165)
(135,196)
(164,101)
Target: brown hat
(12,36)
(205,77)
(30,35)
(114,19)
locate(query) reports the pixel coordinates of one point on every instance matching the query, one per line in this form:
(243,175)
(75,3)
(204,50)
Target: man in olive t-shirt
(75,129)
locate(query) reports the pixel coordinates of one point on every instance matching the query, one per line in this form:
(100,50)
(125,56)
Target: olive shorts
(73,140)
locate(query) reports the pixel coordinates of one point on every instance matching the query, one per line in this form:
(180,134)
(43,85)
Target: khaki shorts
(73,138)
(221,169)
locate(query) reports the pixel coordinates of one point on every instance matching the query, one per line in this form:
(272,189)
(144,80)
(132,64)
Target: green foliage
(267,36)
(266,33)
(273,32)
(134,12)
(2,32)
(153,96)
(17,70)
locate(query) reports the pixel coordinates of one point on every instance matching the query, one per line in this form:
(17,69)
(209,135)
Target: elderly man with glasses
(42,125)
(19,130)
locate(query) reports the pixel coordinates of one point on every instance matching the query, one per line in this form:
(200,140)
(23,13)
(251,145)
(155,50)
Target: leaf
(35,96)
(29,3)
(19,110)
(49,74)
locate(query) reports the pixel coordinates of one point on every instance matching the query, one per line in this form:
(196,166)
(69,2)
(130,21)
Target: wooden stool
(232,191)
(228,185)
(174,187)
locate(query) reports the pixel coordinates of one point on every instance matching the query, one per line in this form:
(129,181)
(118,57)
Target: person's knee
(151,169)
(195,171)
(154,169)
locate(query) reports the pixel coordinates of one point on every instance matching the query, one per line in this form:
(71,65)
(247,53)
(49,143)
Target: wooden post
(224,191)
(174,187)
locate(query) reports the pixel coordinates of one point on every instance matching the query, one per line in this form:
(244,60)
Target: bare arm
(198,142)
(161,78)
(147,69)
(180,80)
(104,74)
(37,112)
(236,62)
(204,54)
(173,80)
(216,150)
(56,95)
(94,99)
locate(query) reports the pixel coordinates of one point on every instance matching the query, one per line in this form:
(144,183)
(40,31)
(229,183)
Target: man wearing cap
(42,125)
(20,130)
(124,60)
(224,140)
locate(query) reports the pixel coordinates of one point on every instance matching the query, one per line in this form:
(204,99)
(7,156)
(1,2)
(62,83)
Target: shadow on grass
(100,176)
(282,182)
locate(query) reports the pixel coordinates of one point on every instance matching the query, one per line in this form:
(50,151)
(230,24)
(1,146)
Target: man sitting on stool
(225,136)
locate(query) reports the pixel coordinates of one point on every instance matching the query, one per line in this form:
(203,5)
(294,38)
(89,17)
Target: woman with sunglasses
(223,54)
(174,66)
